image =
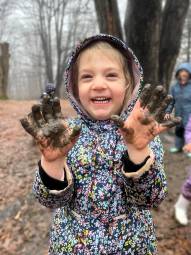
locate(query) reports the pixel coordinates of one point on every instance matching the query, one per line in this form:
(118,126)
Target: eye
(112,75)
(86,76)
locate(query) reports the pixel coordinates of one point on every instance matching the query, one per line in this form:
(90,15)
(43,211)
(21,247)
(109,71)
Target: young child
(181,92)
(182,204)
(102,171)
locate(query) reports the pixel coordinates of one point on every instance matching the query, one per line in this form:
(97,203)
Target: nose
(99,83)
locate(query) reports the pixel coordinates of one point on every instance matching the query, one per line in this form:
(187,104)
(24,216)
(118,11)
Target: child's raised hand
(147,118)
(48,127)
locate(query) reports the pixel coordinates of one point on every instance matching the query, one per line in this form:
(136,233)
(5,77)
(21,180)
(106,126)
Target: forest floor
(24,223)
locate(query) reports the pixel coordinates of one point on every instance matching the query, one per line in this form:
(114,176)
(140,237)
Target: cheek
(120,94)
(83,95)
(123,96)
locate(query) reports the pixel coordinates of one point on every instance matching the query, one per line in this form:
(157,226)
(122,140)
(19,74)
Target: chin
(99,117)
(102,117)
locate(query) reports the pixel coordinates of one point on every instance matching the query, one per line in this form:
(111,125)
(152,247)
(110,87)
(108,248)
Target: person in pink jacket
(184,199)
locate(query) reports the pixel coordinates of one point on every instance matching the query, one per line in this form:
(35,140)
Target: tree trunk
(153,35)
(142,34)
(108,17)
(171,32)
(4,69)
(189,41)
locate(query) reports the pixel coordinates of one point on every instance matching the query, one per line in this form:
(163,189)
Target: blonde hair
(127,69)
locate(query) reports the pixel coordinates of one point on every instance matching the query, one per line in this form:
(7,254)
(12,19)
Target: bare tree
(4,68)
(5,10)
(173,18)
(153,30)
(108,17)
(188,39)
(185,49)
(142,33)
(50,21)
(57,25)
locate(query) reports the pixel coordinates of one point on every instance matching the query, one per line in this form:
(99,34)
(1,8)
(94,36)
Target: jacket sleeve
(188,131)
(53,198)
(172,103)
(150,188)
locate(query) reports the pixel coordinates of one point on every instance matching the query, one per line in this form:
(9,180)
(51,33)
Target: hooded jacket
(181,96)
(101,211)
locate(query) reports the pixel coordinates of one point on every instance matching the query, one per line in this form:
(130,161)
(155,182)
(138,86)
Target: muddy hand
(147,117)
(48,126)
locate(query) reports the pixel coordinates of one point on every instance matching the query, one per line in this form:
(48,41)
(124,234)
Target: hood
(184,66)
(132,62)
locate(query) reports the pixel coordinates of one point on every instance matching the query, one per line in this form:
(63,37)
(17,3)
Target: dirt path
(24,223)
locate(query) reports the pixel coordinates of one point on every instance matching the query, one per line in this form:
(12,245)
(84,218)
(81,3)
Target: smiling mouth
(101,100)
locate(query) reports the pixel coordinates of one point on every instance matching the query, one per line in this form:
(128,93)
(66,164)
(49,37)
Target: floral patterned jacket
(101,211)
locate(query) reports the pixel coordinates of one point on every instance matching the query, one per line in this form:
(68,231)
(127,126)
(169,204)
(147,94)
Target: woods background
(37,36)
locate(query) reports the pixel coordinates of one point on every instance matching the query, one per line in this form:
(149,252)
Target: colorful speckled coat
(102,211)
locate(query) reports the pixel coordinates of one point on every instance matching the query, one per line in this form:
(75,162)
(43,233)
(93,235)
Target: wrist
(138,156)
(53,168)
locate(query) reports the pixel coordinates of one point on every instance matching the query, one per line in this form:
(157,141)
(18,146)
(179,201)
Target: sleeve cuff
(132,170)
(51,183)
(129,166)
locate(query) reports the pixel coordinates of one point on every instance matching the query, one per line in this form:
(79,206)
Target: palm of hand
(49,128)
(147,118)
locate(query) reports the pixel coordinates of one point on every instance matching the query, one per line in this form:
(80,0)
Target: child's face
(183,77)
(101,83)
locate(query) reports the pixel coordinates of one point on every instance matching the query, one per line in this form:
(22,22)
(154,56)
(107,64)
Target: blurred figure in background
(181,206)
(50,90)
(181,92)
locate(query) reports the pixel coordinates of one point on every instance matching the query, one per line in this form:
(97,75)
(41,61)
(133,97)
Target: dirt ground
(24,223)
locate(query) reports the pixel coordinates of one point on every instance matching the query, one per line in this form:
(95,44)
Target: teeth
(101,100)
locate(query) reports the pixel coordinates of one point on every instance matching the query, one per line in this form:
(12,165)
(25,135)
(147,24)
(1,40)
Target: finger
(171,123)
(37,116)
(57,108)
(117,120)
(156,98)
(127,132)
(28,127)
(47,110)
(75,133)
(160,113)
(50,89)
(145,95)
